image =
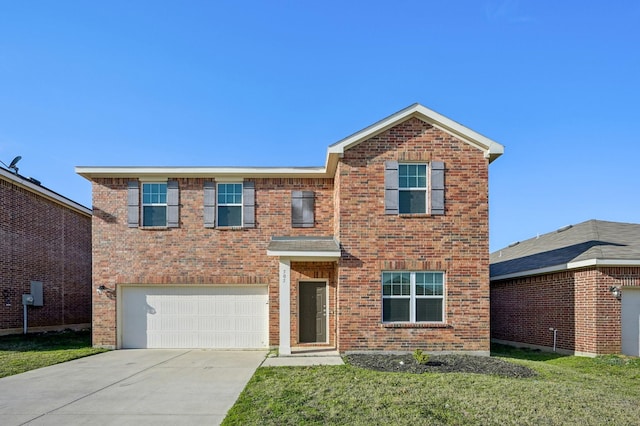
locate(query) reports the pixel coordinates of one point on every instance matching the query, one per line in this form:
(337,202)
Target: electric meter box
(36,293)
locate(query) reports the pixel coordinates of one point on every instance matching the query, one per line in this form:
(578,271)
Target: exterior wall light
(108,291)
(617,293)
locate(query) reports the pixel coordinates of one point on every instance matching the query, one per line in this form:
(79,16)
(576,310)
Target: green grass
(568,390)
(20,353)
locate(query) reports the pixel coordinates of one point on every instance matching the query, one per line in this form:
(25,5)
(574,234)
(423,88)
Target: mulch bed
(405,363)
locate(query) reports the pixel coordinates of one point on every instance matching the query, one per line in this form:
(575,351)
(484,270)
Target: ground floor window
(412,296)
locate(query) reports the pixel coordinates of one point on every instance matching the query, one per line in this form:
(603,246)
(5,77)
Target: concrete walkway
(130,387)
(302,358)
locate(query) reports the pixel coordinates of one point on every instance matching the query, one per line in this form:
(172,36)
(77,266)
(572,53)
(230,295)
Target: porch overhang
(313,249)
(296,249)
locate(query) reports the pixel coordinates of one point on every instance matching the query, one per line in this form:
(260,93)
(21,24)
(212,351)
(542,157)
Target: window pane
(229,216)
(395,310)
(154,193)
(386,290)
(413,201)
(154,216)
(428,309)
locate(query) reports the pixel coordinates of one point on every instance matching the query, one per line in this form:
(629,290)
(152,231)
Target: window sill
(416,215)
(154,228)
(415,325)
(229,228)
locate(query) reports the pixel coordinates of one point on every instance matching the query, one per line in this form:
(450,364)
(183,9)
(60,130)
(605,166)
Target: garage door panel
(631,321)
(194,317)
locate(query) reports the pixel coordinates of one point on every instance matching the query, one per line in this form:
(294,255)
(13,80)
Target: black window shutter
(302,209)
(437,188)
(173,208)
(133,204)
(209,204)
(248,205)
(391,194)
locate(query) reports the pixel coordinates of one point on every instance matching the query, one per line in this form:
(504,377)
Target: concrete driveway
(130,387)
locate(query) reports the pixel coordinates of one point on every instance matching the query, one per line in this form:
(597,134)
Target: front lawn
(20,353)
(566,390)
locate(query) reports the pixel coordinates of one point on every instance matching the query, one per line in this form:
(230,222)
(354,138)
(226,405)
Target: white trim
(285,306)
(604,262)
(567,266)
(310,255)
(217,173)
(153,179)
(491,149)
(44,192)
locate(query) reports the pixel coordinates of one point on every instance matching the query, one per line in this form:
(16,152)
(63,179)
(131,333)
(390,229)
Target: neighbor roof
(590,243)
(34,186)
(491,149)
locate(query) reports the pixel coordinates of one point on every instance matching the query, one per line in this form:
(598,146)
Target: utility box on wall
(37,293)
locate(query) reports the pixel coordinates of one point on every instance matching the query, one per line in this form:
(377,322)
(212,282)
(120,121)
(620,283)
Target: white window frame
(424,189)
(165,205)
(241,204)
(413,297)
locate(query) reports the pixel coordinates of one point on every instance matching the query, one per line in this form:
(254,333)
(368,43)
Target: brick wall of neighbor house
(41,240)
(372,242)
(608,320)
(191,253)
(524,309)
(578,303)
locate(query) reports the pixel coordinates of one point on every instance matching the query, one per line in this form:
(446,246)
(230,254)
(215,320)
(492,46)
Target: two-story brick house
(385,247)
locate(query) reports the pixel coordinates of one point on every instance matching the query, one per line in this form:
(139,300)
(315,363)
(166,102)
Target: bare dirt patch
(405,363)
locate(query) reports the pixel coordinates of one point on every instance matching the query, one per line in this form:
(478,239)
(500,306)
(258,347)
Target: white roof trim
(603,262)
(298,255)
(568,266)
(44,192)
(491,148)
(211,172)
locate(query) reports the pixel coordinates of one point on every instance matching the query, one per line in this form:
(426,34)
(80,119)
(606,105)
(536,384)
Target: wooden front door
(313,312)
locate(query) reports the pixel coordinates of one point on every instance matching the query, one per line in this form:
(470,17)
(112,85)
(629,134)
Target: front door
(313,312)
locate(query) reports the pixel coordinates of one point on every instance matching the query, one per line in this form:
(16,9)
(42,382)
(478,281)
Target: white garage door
(195,317)
(631,321)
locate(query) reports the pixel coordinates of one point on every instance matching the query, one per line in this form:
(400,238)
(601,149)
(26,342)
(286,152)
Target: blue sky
(273,83)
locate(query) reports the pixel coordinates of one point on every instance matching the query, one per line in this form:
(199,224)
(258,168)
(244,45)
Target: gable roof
(590,243)
(491,149)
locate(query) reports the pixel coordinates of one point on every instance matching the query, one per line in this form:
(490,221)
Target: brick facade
(349,205)
(577,303)
(455,243)
(47,241)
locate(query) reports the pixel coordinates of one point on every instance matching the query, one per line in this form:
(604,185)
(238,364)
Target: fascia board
(89,172)
(491,148)
(568,266)
(603,262)
(44,192)
(307,255)
(539,271)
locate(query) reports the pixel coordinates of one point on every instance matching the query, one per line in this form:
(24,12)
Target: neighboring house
(45,244)
(383,248)
(581,283)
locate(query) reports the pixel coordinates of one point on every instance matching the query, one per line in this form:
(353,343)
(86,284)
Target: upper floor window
(154,204)
(229,204)
(412,297)
(160,204)
(413,188)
